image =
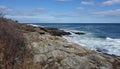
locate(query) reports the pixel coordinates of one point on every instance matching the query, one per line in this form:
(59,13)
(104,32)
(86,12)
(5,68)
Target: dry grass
(13,53)
(60,58)
(12,45)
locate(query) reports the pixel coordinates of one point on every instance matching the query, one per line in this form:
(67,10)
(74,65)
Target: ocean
(102,37)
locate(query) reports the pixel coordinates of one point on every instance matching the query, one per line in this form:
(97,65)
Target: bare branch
(1,14)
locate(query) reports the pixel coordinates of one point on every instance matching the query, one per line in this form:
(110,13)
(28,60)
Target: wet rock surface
(57,32)
(79,33)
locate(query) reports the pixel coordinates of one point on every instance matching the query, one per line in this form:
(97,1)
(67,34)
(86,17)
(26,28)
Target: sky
(62,11)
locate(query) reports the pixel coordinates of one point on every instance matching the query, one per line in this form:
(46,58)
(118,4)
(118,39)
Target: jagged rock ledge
(43,30)
(50,51)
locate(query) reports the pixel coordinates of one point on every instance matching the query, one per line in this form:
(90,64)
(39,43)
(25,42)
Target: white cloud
(87,3)
(109,13)
(37,19)
(80,8)
(8,11)
(5,10)
(68,15)
(111,2)
(63,0)
(40,10)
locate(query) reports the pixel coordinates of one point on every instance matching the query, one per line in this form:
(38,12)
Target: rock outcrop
(41,30)
(57,32)
(54,52)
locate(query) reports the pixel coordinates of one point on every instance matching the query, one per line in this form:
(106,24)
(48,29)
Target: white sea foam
(108,45)
(35,25)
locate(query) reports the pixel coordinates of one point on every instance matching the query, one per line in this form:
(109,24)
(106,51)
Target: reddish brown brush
(12,45)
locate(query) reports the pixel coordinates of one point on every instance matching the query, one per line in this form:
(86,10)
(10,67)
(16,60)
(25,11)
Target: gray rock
(57,53)
(40,58)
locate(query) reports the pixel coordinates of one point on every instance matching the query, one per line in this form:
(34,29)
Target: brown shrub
(12,45)
(60,58)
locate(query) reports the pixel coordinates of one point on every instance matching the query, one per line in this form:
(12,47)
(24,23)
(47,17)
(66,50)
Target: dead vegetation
(13,51)
(12,45)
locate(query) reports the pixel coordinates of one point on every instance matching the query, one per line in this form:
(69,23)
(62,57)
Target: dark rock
(39,30)
(56,32)
(79,33)
(49,28)
(42,28)
(102,50)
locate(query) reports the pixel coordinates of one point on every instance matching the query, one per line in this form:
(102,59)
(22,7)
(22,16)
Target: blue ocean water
(98,36)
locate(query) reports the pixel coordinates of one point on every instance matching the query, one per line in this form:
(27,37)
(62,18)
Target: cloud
(80,8)
(35,12)
(87,3)
(73,15)
(5,10)
(108,13)
(33,19)
(8,11)
(77,15)
(63,0)
(40,10)
(111,2)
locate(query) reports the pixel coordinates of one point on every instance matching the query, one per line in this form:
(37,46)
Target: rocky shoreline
(46,49)
(54,52)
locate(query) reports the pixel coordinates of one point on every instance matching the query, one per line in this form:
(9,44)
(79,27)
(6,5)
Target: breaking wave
(106,45)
